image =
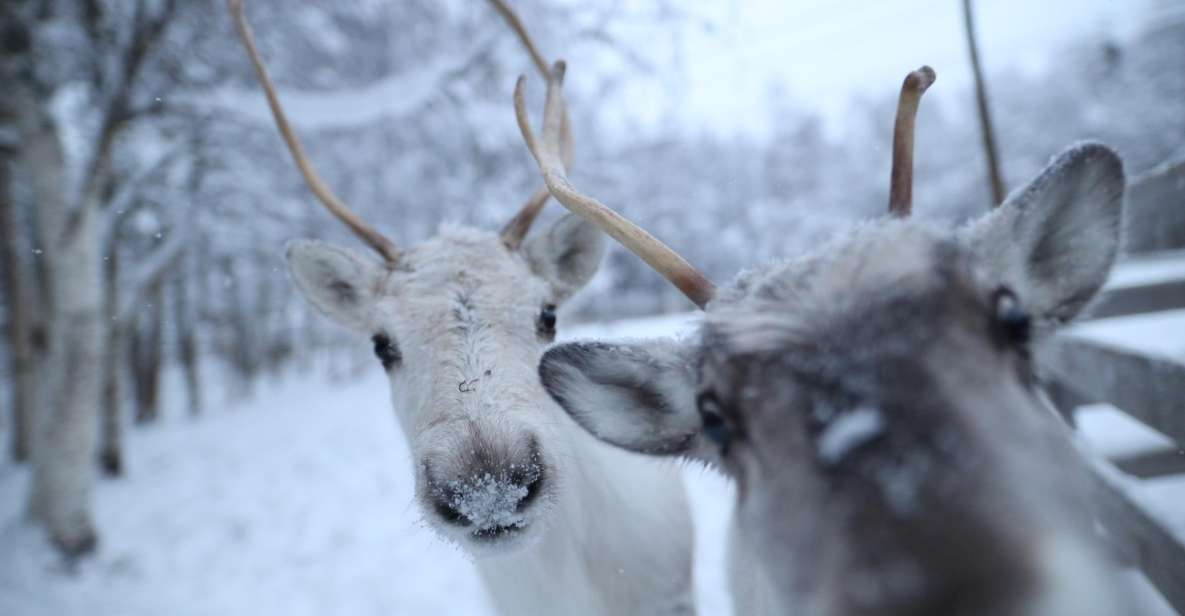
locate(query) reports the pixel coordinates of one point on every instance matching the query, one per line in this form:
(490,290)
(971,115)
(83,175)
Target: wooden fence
(1131,354)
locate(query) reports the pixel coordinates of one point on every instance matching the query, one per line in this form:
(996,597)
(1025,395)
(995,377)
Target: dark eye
(386,350)
(545,326)
(716,428)
(1010,320)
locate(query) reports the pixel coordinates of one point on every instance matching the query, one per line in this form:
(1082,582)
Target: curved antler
(659,256)
(901,178)
(364,231)
(518,226)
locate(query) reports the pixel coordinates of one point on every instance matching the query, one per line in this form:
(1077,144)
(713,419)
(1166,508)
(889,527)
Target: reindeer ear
(1054,241)
(639,397)
(340,283)
(567,254)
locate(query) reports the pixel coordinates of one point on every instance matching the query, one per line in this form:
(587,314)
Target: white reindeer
(558,522)
(875,400)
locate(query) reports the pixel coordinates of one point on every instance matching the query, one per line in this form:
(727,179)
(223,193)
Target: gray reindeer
(550,515)
(874,400)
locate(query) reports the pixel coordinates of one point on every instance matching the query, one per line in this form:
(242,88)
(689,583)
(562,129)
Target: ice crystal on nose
(488,501)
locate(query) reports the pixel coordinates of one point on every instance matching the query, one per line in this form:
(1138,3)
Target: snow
(390,97)
(679,324)
(300,501)
(487,501)
(1141,270)
(848,431)
(1155,333)
(1116,434)
(297,502)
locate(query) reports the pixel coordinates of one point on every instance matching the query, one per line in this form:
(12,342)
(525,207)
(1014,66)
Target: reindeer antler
(547,154)
(364,231)
(518,226)
(901,178)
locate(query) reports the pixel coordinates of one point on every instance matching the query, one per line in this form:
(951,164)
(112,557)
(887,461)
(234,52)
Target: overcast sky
(824,53)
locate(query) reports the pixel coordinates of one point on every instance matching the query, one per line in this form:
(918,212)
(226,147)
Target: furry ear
(639,396)
(1054,241)
(567,254)
(340,283)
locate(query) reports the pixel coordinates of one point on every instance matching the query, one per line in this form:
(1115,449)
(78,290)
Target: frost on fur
(488,502)
(848,431)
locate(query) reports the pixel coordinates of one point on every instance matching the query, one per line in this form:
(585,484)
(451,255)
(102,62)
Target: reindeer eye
(386,350)
(1011,322)
(545,326)
(716,428)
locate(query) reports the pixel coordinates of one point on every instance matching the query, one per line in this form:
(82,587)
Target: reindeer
(874,400)
(558,522)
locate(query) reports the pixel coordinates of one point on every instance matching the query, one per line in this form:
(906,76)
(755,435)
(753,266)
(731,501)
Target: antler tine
(515,230)
(901,179)
(548,155)
(335,206)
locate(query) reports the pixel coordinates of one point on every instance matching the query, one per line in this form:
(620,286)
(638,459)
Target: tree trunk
(145,357)
(985,117)
(111,448)
(243,349)
(16,279)
(65,450)
(187,344)
(65,430)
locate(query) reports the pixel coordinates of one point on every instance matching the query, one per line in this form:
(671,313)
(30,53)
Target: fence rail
(1132,356)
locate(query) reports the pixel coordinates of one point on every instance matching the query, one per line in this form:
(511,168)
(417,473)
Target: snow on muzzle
(486,488)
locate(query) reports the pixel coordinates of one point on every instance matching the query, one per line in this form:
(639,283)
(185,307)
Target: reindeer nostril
(448,513)
(534,486)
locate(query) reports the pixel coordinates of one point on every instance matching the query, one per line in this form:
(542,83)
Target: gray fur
(339,283)
(567,254)
(890,452)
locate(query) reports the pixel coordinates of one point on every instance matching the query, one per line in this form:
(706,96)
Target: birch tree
(95,52)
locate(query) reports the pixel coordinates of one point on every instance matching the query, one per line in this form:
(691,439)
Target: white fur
(610,533)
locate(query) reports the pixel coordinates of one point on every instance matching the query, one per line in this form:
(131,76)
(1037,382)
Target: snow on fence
(1144,283)
(1131,354)
(1156,209)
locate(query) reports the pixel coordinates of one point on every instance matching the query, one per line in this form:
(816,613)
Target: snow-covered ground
(299,501)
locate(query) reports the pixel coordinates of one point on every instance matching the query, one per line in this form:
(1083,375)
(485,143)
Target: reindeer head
(458,323)
(459,326)
(875,403)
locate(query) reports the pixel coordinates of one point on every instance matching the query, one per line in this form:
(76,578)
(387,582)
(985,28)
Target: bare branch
(364,231)
(901,178)
(146,33)
(515,230)
(987,133)
(547,154)
(517,25)
(158,263)
(122,203)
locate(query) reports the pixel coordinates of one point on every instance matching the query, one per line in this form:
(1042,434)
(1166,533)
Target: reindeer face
(459,328)
(875,404)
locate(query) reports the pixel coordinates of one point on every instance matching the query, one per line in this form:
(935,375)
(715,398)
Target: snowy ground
(299,501)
